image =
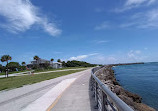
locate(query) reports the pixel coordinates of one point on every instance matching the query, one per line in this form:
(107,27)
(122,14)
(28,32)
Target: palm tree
(58,60)
(6,58)
(36,58)
(51,59)
(23,63)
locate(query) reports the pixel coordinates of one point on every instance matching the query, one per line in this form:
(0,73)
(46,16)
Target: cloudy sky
(96,31)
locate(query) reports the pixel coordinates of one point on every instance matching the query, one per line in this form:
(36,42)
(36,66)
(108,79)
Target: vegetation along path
(14,82)
(19,98)
(38,72)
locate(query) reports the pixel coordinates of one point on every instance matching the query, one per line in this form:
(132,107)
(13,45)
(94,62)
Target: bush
(1,68)
(13,66)
(78,64)
(22,68)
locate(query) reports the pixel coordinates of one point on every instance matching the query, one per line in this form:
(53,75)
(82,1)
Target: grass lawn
(44,70)
(15,82)
(58,69)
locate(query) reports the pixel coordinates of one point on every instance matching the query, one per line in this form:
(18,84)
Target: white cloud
(102,26)
(134,55)
(103,59)
(130,4)
(98,58)
(143,20)
(150,19)
(138,2)
(131,56)
(82,57)
(102,41)
(21,15)
(93,54)
(50,28)
(123,57)
(99,41)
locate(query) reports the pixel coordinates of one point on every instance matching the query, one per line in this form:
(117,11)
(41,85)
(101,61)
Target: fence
(106,100)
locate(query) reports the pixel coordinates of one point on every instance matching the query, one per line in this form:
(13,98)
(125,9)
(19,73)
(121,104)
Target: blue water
(141,79)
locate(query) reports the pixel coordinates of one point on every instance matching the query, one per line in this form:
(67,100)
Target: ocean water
(141,79)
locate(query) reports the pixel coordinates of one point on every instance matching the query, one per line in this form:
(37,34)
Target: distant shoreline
(126,64)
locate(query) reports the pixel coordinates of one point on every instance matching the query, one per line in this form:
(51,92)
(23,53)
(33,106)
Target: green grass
(15,82)
(44,70)
(58,69)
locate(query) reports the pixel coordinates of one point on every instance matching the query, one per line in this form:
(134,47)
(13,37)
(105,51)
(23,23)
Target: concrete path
(20,98)
(43,103)
(28,72)
(77,97)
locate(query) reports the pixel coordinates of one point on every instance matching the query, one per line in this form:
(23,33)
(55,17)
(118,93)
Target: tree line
(75,63)
(15,66)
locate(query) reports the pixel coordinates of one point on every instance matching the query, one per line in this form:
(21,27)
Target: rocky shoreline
(107,76)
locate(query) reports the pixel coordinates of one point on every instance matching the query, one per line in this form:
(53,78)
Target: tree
(63,63)
(23,67)
(78,64)
(6,58)
(23,63)
(13,66)
(58,60)
(1,67)
(36,58)
(51,59)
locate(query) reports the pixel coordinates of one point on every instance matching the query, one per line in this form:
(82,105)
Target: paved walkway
(74,89)
(77,97)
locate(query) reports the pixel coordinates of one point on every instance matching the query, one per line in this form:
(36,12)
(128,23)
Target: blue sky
(96,31)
